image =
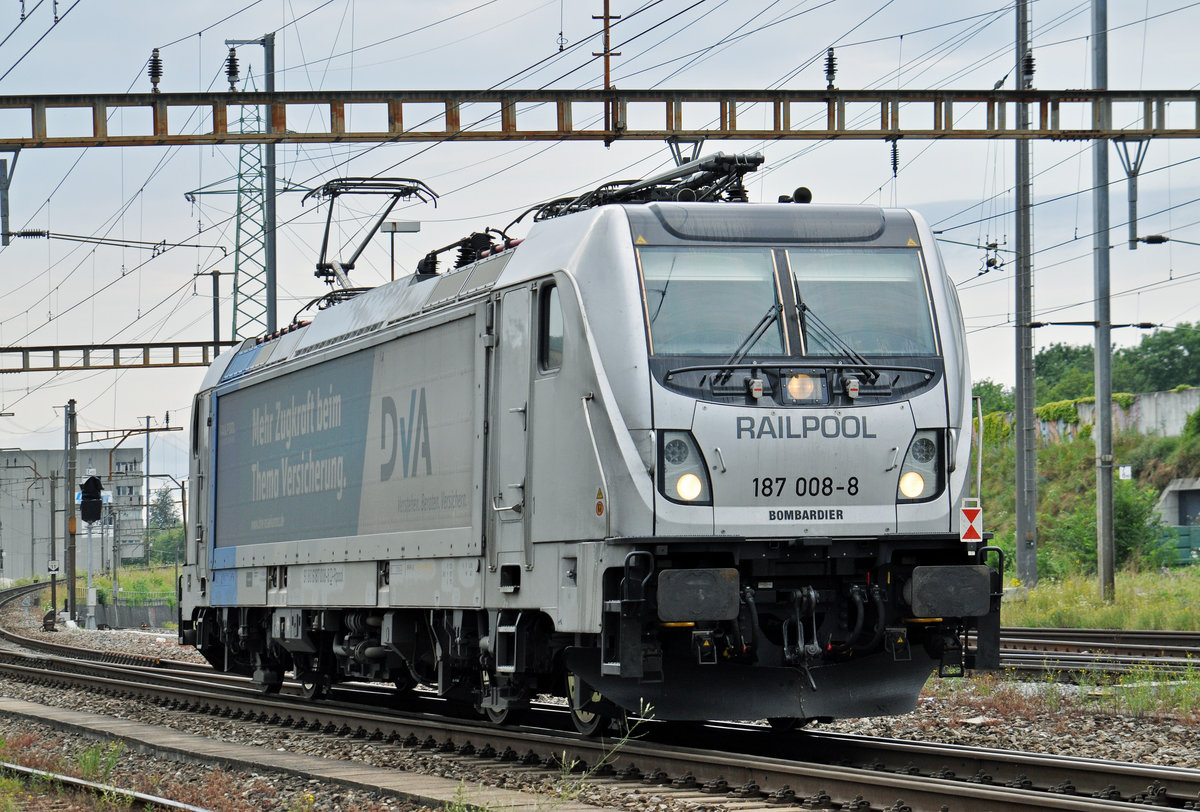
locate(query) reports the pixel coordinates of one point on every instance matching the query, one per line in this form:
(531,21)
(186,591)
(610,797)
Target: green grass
(1143,692)
(1144,600)
(138,586)
(13,794)
(1146,690)
(97,762)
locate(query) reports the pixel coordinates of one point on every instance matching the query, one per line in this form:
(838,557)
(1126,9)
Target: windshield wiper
(810,320)
(744,348)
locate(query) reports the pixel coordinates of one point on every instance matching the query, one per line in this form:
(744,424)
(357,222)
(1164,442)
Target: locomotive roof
(555,240)
(668,223)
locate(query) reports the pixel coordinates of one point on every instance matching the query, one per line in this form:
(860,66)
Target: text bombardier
(805,515)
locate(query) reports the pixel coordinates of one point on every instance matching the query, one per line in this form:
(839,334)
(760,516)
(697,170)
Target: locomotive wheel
(314,686)
(404,684)
(589,723)
(784,724)
(503,716)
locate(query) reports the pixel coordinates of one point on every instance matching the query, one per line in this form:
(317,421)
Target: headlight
(921,474)
(689,487)
(803,385)
(682,472)
(912,485)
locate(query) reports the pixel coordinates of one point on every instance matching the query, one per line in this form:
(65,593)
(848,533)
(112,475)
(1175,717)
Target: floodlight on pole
(394,227)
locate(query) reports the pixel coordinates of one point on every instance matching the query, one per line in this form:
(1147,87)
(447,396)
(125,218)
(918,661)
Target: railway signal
(91,499)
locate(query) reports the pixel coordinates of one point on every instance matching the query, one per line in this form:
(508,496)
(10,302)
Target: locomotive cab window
(196,426)
(711,301)
(876,300)
(550,329)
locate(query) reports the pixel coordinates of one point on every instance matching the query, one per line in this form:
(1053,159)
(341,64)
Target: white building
(26,534)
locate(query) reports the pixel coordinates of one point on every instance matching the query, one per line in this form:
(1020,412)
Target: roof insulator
(231,69)
(155,71)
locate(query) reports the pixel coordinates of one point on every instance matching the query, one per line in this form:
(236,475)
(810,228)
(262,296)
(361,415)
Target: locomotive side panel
(284,469)
(377,443)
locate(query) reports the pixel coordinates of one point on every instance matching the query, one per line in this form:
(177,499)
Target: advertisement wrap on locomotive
(673,453)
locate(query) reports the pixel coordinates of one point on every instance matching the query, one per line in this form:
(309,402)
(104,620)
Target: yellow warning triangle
(599,493)
(640,240)
(912,243)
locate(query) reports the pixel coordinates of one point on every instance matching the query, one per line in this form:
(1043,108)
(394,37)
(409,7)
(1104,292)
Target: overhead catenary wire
(125,208)
(24,18)
(500,170)
(53,25)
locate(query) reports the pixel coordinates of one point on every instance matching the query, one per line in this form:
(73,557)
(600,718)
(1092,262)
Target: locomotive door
(508,501)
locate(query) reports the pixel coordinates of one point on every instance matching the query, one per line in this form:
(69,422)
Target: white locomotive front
(701,457)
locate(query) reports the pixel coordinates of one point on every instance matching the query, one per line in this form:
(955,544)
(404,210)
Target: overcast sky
(66,292)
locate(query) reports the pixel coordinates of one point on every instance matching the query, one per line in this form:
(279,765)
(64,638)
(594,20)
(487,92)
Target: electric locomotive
(673,453)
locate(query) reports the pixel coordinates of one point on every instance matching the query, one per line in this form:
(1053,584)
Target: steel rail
(1037,650)
(1146,638)
(107,791)
(925,776)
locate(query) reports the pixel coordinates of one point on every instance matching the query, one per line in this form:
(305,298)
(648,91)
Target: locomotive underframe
(693,629)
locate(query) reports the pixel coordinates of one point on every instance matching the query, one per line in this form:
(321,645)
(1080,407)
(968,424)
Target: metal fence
(1184,542)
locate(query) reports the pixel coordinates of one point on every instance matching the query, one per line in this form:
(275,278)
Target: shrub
(1071,544)
(1059,410)
(1191,425)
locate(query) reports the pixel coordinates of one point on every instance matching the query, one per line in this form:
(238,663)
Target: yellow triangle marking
(599,493)
(912,243)
(640,240)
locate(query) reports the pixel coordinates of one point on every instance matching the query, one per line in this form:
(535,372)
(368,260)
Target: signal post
(90,501)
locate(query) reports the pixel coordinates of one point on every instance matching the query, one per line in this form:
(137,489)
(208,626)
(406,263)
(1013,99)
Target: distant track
(109,796)
(1041,650)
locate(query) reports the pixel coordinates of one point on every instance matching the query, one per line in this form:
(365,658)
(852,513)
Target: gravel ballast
(1044,719)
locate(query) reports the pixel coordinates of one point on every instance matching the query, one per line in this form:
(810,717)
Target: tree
(1163,360)
(1074,384)
(1063,372)
(165,545)
(993,396)
(162,508)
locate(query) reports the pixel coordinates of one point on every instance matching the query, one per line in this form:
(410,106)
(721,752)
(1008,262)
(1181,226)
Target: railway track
(1030,650)
(727,765)
(106,794)
(715,765)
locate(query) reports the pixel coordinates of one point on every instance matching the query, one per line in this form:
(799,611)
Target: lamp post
(391,227)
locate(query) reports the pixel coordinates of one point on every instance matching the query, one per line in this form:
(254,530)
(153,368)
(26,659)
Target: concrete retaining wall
(156,615)
(1161,413)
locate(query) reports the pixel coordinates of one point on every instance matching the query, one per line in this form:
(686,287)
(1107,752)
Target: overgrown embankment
(1066,515)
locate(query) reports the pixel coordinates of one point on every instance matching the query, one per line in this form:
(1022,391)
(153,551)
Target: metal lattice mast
(249,270)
